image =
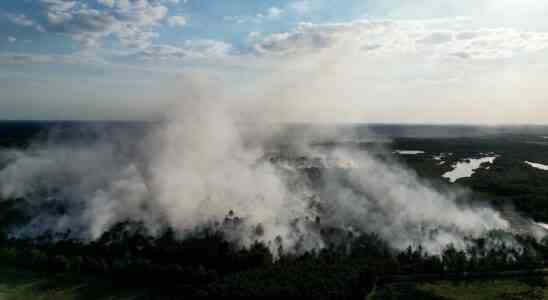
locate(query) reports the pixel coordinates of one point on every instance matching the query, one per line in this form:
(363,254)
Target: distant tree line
(205,263)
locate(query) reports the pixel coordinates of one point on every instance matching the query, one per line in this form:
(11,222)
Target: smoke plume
(220,157)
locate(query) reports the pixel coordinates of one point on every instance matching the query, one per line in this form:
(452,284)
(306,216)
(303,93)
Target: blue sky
(389,61)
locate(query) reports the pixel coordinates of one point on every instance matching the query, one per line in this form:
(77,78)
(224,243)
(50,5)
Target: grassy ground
(22,285)
(532,288)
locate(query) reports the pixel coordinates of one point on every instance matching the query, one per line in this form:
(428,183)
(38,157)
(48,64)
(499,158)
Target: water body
(467,168)
(409,152)
(537,166)
(543,225)
(441,158)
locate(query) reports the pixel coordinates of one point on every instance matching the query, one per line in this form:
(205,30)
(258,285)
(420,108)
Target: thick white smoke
(196,170)
(387,199)
(211,157)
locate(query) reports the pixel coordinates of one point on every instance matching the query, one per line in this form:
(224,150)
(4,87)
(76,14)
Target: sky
(387,61)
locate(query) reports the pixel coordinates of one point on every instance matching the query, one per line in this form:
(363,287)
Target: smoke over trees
(207,201)
(205,161)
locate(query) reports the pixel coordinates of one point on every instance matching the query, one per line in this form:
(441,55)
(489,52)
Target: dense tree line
(205,263)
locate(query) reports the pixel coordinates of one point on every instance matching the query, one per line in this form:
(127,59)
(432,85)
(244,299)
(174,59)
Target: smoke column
(211,157)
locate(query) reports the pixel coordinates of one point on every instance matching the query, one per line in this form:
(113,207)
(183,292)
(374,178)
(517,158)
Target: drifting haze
(391,61)
(224,96)
(201,164)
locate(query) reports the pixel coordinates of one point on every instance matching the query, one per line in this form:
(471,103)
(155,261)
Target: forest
(208,262)
(205,264)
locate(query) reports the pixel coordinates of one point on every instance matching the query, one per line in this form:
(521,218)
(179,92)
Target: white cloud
(312,37)
(253,35)
(236,19)
(209,48)
(131,22)
(145,14)
(11,39)
(274,12)
(300,7)
(59,5)
(132,37)
(402,37)
(176,21)
(24,21)
(523,14)
(21,20)
(411,71)
(58,11)
(162,52)
(437,37)
(33,58)
(191,49)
